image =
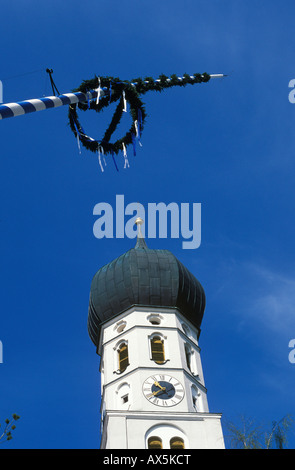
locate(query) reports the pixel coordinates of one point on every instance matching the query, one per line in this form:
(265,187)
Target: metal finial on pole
(140,244)
(139,222)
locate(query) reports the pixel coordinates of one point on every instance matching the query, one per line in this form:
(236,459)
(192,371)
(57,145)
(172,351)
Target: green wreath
(123,92)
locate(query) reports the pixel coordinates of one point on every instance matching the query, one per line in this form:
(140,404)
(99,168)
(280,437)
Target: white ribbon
(78,142)
(124,103)
(98,91)
(137,132)
(136,128)
(99,158)
(126,163)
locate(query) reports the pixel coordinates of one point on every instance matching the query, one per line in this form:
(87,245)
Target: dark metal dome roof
(144,277)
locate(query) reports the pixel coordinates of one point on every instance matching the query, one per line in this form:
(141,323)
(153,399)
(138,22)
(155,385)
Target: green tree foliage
(249,435)
(9,426)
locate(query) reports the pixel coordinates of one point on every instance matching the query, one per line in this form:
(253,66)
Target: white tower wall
(129,417)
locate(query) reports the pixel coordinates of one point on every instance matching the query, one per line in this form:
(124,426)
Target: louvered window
(155,443)
(176,443)
(123,357)
(158,353)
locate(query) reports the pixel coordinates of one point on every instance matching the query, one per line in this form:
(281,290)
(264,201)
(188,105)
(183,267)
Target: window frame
(163,339)
(117,348)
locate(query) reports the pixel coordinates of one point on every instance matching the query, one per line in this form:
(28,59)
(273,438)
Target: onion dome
(143,277)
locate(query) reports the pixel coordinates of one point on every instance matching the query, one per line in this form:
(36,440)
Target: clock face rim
(157,400)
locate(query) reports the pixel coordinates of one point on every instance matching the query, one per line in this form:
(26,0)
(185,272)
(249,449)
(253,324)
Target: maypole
(98,93)
(31,106)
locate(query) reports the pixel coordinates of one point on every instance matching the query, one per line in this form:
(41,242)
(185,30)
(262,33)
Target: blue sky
(228,144)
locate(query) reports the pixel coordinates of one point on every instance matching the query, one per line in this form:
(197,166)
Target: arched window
(165,436)
(123,359)
(155,442)
(176,443)
(157,349)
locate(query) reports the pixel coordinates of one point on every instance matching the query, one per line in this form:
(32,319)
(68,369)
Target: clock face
(163,390)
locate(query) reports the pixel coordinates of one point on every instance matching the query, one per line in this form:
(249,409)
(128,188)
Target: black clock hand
(171,389)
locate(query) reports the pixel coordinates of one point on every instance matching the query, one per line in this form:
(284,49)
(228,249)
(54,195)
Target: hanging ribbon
(124,103)
(98,91)
(137,132)
(126,162)
(104,160)
(101,152)
(136,129)
(79,145)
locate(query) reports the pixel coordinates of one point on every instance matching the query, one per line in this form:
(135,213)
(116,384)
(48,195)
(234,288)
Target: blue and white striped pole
(30,106)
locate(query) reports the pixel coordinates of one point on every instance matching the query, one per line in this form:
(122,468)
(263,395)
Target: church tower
(145,314)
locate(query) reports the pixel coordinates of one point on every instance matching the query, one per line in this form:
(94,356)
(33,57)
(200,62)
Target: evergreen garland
(114,88)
